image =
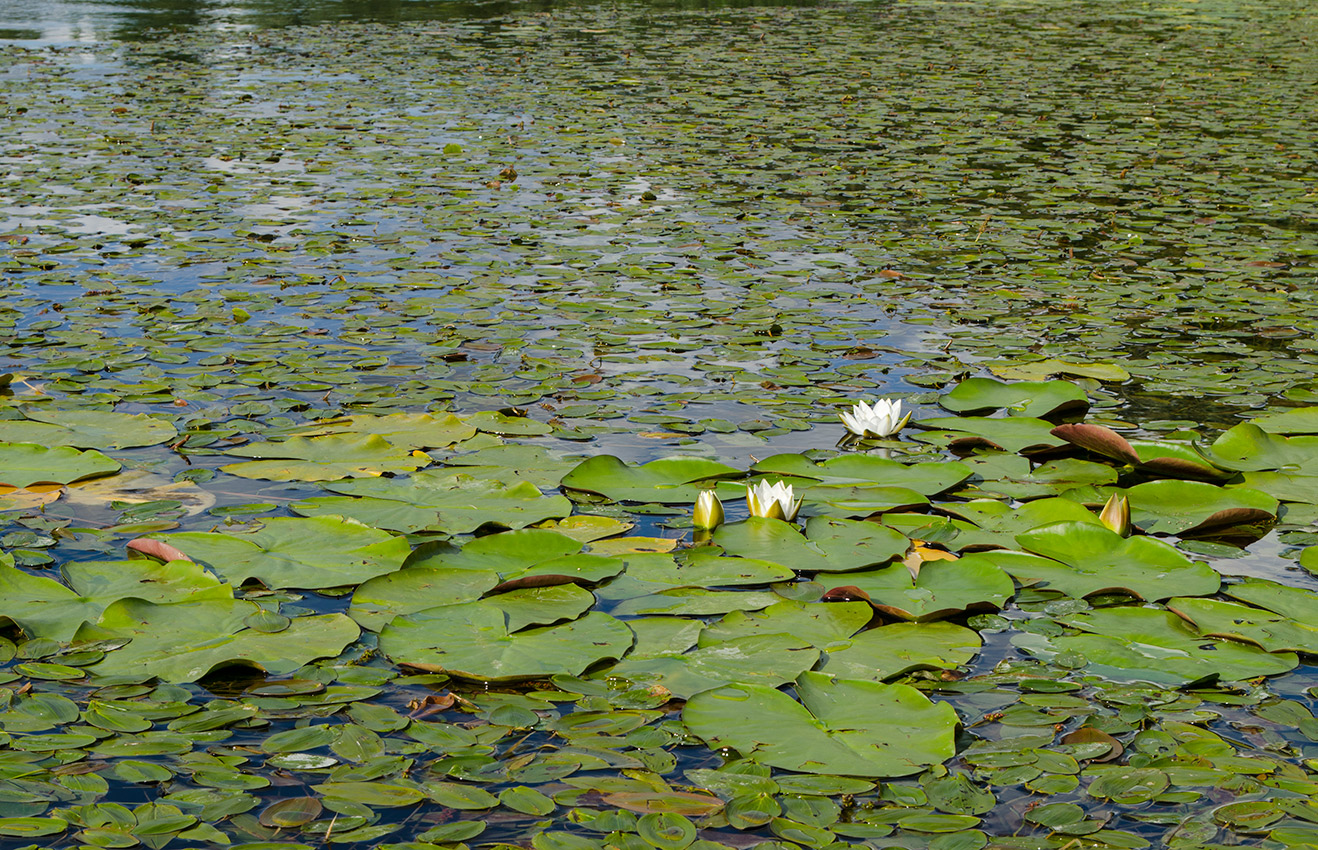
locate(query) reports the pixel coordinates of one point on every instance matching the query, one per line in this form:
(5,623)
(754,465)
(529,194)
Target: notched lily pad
(669,481)
(942,588)
(25,464)
(87,429)
(1039,399)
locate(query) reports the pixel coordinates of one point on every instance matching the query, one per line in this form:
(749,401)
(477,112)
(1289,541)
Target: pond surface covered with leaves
(357,381)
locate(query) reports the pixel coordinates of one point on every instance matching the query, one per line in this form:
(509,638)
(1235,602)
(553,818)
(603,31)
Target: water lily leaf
(668,481)
(899,648)
(184,641)
(25,464)
(494,422)
(705,566)
(326,458)
(1013,476)
(1039,369)
(312,552)
(999,523)
(841,726)
(290,812)
(587,528)
(859,500)
(1178,507)
(403,430)
(942,588)
(1299,420)
(696,602)
(823,625)
(1097,559)
(87,429)
(463,504)
(1149,645)
(1287,487)
(768,659)
(828,543)
(1294,602)
(512,463)
(1039,399)
(1016,434)
(29,827)
(388,514)
(473,641)
(43,607)
(924,478)
(1248,448)
(1273,632)
(677,802)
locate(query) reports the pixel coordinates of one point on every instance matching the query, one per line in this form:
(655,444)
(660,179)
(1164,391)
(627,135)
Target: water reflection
(84,21)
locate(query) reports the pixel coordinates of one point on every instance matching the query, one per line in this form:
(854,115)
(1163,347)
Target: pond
(361,365)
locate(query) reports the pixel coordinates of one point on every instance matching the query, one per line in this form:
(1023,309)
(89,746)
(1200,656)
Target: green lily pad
(326,458)
(1248,448)
(1033,370)
(403,430)
(899,648)
(828,543)
(1096,559)
(1015,434)
(669,481)
(473,641)
(1150,645)
(823,625)
(999,474)
(998,523)
(941,588)
(766,659)
(463,503)
(926,479)
(25,464)
(184,641)
(1178,507)
(312,552)
(696,602)
(1295,602)
(1273,632)
(858,500)
(43,607)
(513,463)
(86,429)
(1039,399)
(1299,420)
(841,726)
(1288,487)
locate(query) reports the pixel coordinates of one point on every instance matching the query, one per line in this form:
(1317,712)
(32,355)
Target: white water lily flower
(709,511)
(773,501)
(882,420)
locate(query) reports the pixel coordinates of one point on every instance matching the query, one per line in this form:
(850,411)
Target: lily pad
(473,641)
(926,479)
(379,600)
(404,430)
(841,726)
(823,625)
(1150,645)
(1180,507)
(1016,434)
(1162,458)
(941,589)
(669,481)
(1248,448)
(828,543)
(1039,399)
(25,464)
(1299,420)
(899,648)
(1273,632)
(1096,559)
(326,458)
(463,503)
(766,659)
(87,429)
(1295,602)
(312,552)
(1030,370)
(184,641)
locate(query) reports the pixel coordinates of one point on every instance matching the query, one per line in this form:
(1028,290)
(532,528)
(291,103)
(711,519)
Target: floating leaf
(25,464)
(899,648)
(769,660)
(456,504)
(1273,632)
(942,588)
(326,458)
(828,543)
(310,552)
(841,726)
(86,429)
(404,430)
(1041,400)
(473,641)
(669,481)
(924,478)
(1180,507)
(1017,434)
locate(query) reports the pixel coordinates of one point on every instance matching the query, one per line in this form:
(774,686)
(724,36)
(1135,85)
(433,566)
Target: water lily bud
(709,511)
(1116,514)
(772,501)
(883,419)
